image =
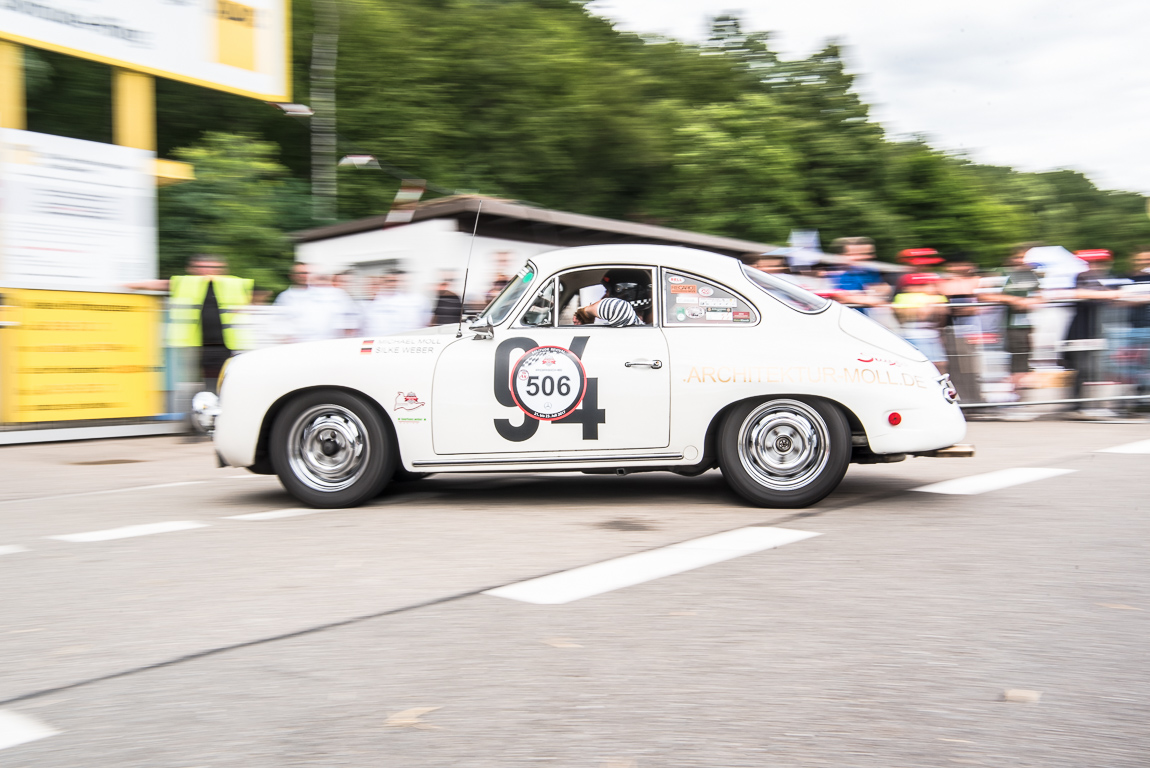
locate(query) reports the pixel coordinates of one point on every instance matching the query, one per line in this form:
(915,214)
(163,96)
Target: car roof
(703,263)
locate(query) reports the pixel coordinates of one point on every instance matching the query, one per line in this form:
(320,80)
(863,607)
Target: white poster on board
(75,215)
(241,47)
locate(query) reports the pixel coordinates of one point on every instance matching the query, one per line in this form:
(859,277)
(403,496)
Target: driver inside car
(628,294)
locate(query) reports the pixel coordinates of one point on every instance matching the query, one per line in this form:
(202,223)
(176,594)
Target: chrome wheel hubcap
(784,444)
(328,448)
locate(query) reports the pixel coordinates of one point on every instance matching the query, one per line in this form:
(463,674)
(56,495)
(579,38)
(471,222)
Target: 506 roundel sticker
(548,383)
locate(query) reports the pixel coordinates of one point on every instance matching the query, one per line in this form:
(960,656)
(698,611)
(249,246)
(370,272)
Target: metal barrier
(983,345)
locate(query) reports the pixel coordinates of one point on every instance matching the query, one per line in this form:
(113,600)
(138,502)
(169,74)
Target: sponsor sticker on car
(718,302)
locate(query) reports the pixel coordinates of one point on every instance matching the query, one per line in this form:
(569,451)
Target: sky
(1033,84)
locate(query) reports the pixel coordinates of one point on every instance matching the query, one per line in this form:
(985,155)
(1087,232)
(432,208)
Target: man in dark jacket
(448,307)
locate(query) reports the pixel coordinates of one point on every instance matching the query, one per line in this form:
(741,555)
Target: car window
(690,300)
(541,310)
(501,306)
(787,292)
(629,290)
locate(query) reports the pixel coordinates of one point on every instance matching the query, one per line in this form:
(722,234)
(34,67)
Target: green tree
(241,206)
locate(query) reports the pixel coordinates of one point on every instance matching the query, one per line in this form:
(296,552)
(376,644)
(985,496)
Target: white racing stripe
(630,570)
(129,531)
(12,549)
(276,514)
(20,729)
(1142,446)
(992,481)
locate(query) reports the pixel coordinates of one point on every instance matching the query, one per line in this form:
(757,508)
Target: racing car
(715,364)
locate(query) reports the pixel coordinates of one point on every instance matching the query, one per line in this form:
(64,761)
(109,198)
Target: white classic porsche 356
(602,359)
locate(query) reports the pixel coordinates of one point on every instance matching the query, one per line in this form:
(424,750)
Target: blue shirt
(856,279)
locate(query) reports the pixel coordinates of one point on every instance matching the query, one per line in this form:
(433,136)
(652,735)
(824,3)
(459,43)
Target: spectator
(959,285)
(448,307)
(1085,338)
(203,316)
(261,321)
(857,283)
(313,309)
(1140,276)
(502,262)
(1020,292)
(350,318)
(1139,334)
(394,309)
(922,311)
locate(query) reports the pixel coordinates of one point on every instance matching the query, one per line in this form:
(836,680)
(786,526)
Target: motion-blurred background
(681,115)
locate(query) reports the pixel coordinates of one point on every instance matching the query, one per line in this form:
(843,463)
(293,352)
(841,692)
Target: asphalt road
(365,638)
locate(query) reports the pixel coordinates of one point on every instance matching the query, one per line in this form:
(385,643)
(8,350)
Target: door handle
(652,364)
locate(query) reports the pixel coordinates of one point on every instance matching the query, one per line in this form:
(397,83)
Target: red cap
(1094,254)
(918,278)
(919,257)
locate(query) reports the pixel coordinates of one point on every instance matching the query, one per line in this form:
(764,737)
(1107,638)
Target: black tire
(784,452)
(362,449)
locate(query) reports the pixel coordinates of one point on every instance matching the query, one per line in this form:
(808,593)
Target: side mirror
(483,332)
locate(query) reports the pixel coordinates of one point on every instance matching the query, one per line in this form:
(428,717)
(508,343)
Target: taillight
(948,390)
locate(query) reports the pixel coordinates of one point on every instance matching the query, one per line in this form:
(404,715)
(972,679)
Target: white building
(438,239)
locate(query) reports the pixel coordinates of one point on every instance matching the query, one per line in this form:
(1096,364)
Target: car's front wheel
(784,452)
(332,449)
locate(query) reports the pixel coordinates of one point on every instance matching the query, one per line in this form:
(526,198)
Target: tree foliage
(241,206)
(542,101)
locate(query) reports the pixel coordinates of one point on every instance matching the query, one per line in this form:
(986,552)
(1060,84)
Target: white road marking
(276,514)
(627,571)
(992,481)
(129,531)
(99,493)
(20,729)
(12,549)
(1142,446)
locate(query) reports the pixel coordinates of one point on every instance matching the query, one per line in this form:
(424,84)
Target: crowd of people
(965,319)
(977,325)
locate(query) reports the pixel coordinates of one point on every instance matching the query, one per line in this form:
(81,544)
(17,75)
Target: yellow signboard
(238,46)
(236,35)
(69,356)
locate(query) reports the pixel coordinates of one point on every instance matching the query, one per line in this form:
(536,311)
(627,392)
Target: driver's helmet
(630,285)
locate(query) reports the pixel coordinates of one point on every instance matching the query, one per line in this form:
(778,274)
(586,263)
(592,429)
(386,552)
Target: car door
(544,384)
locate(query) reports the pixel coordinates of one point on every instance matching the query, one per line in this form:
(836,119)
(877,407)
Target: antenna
(467,269)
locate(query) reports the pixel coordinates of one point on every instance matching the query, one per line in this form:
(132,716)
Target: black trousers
(212,359)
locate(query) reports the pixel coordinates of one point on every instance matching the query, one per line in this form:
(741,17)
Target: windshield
(502,304)
(786,292)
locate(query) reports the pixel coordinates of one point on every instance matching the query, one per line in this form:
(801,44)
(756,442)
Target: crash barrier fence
(980,340)
(1111,367)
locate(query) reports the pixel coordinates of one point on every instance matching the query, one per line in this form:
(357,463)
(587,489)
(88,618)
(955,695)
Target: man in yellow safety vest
(204,322)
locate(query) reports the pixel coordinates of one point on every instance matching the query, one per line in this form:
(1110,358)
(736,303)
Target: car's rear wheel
(332,449)
(784,452)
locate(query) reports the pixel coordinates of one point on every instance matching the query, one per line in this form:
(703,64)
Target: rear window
(689,300)
(787,292)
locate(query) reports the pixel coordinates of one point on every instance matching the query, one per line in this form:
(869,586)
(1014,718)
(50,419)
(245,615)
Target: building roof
(511,220)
